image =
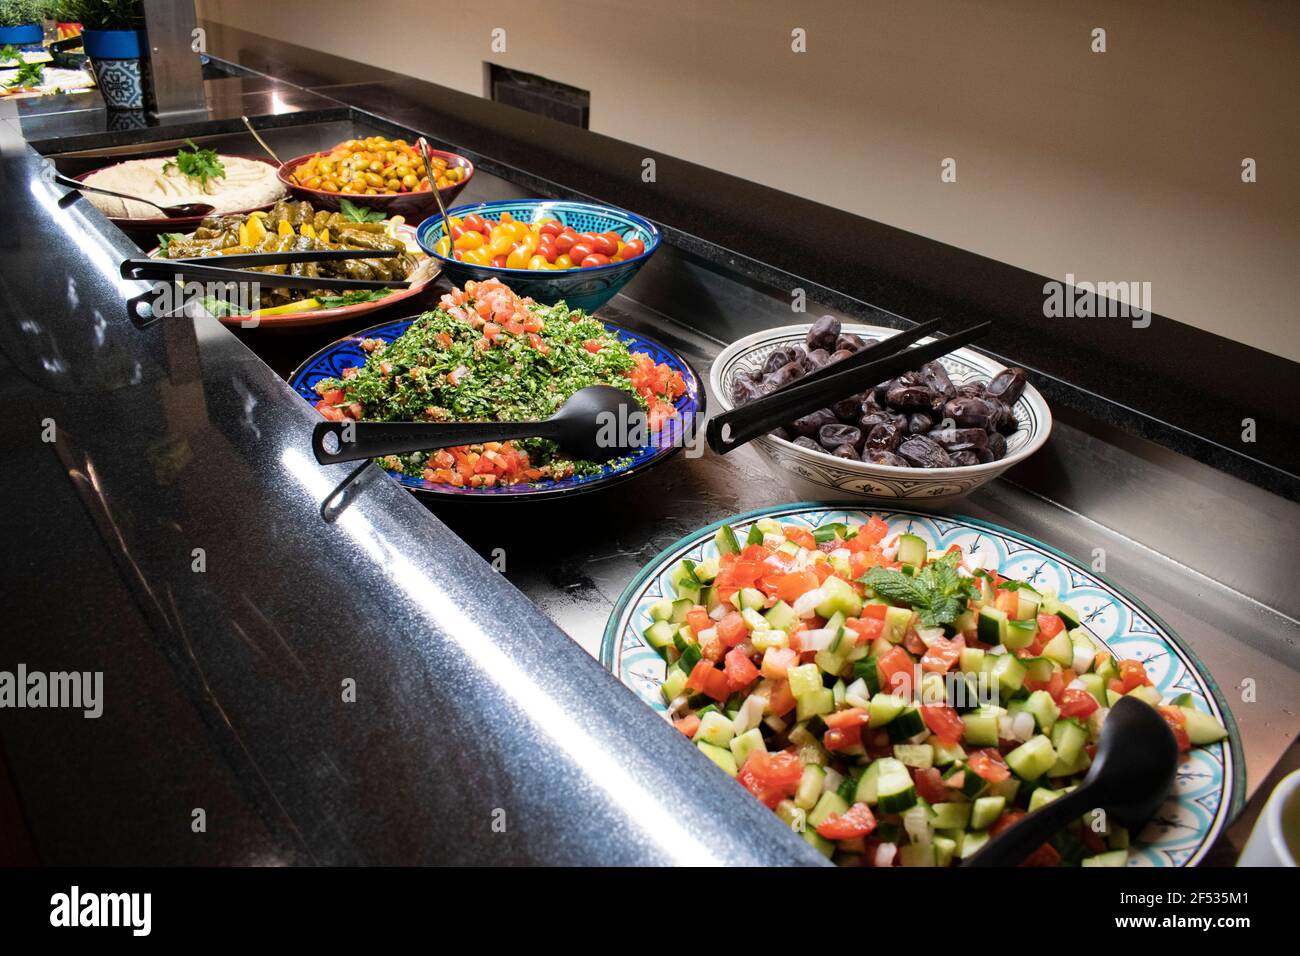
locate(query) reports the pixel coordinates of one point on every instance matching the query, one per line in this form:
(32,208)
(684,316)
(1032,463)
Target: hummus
(247,184)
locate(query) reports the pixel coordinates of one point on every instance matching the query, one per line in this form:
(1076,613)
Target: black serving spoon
(1132,773)
(597,423)
(171,212)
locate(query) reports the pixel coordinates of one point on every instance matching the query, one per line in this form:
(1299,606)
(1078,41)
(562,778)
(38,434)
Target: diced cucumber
(895,791)
(974,842)
(804,679)
(661,610)
(716,729)
(840,596)
(944,754)
(906,725)
(830,663)
(1183,700)
(660,634)
(1060,649)
(949,816)
(917,854)
(751,598)
(1020,634)
(866,791)
(1146,693)
(867,672)
(981,729)
(793,817)
(1095,686)
(726,540)
(838,692)
(1079,764)
(1068,615)
(1043,795)
(709,598)
(1028,606)
(1111,858)
(897,621)
(828,803)
(781,617)
(719,755)
(673,685)
(789,548)
(684,572)
(1007,789)
(706,570)
(991,625)
(1108,670)
(985,810)
(835,624)
(920,756)
(1085,651)
(971,659)
(884,708)
(809,790)
(1009,673)
(745,744)
(815,702)
(753,620)
(944,850)
(912,550)
(1201,727)
(765,638)
(971,783)
(1033,758)
(818,842)
(1068,740)
(1039,668)
(1044,710)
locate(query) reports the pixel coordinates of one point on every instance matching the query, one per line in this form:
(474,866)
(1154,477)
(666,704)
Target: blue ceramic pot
(23,36)
(115,56)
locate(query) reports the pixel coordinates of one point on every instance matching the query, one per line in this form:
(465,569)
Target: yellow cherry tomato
(537,263)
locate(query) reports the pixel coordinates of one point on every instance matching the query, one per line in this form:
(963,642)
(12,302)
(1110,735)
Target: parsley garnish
(359,213)
(937,592)
(29,74)
(8,53)
(165,241)
(200,164)
(352,297)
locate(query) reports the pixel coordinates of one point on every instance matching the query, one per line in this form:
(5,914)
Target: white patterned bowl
(816,474)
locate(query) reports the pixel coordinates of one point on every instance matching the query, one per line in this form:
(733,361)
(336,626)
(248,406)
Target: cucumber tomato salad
(895,705)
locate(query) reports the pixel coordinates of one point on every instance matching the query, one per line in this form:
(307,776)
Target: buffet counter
(359,677)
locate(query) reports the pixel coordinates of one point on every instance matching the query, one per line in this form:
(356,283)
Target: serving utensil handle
(1013,845)
(359,440)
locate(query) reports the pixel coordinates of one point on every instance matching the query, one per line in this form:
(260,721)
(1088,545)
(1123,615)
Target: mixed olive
(374,166)
(918,420)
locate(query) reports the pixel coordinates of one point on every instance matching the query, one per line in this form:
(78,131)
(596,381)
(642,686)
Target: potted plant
(113,36)
(20,23)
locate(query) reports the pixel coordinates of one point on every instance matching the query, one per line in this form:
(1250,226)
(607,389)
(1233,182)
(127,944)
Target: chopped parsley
(197,164)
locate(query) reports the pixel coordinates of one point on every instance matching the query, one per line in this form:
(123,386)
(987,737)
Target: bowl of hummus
(230,184)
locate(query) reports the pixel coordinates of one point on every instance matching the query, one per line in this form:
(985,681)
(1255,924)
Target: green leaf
(359,213)
(937,592)
(165,241)
(197,164)
(352,297)
(893,586)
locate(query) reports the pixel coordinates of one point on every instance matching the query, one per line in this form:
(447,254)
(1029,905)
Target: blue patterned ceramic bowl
(585,289)
(1210,787)
(330,362)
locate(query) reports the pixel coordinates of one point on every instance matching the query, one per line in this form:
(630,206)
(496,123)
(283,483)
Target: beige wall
(1123,165)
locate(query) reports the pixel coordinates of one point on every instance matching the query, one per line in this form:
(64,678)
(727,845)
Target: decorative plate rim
(1032,398)
(1234,782)
(694,389)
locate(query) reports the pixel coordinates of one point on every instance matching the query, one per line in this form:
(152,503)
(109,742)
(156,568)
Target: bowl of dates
(932,434)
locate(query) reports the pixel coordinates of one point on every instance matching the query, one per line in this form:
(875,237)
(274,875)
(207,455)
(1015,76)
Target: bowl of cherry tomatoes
(550,250)
(384,175)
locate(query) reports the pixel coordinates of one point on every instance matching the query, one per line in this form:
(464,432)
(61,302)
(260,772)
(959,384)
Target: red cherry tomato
(580,251)
(498,261)
(605,245)
(631,249)
(564,242)
(550,228)
(595,259)
(473,222)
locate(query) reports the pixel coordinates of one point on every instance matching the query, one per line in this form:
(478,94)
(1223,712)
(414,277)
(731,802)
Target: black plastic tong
(877,363)
(202,268)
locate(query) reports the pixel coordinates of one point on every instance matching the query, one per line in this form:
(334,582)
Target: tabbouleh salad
(485,354)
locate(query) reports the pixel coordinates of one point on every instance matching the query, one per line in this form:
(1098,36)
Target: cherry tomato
(551,227)
(605,245)
(631,249)
(564,242)
(578,251)
(595,259)
(474,222)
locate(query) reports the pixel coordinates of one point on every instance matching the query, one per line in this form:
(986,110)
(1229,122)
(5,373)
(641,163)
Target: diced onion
(916,822)
(805,604)
(929,635)
(750,713)
(997,649)
(719,612)
(674,705)
(1075,684)
(832,781)
(1083,659)
(774,722)
(885,854)
(842,553)
(919,738)
(858,689)
(1023,725)
(707,636)
(816,640)
(1004,728)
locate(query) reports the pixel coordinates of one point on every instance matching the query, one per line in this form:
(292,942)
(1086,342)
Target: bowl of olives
(930,435)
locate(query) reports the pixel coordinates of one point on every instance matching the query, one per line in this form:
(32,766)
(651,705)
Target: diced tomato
(1045,855)
(698,619)
(865,629)
(929,784)
(777,661)
(842,738)
(740,670)
(780,701)
(1049,625)
(857,821)
(1077,703)
(1008,602)
(688,724)
(943,722)
(862,561)
(1133,674)
(942,654)
(800,536)
(869,535)
(592,345)
(788,587)
(853,717)
(1054,685)
(875,611)
(709,680)
(988,763)
(732,629)
(771,777)
(896,670)
(1009,818)
(1177,722)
